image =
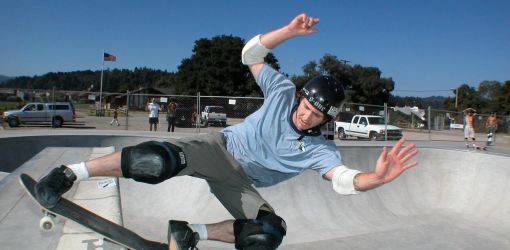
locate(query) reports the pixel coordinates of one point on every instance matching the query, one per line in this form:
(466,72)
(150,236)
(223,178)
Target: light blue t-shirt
(267,146)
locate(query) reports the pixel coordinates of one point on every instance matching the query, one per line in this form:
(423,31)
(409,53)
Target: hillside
(4,78)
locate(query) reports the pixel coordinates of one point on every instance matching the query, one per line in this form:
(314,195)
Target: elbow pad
(343,180)
(254,52)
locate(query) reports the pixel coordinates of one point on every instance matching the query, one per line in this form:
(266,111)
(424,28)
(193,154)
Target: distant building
(139,98)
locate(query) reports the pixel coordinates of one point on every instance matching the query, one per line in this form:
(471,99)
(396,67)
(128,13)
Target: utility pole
(344,61)
(456,97)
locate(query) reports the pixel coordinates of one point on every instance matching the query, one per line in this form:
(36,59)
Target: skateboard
(70,210)
(478,147)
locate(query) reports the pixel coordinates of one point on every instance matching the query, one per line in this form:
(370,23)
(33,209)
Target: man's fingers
(406,149)
(397,146)
(383,155)
(306,21)
(409,156)
(410,165)
(312,21)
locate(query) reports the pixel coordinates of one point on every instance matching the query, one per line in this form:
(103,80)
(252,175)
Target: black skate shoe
(51,187)
(181,237)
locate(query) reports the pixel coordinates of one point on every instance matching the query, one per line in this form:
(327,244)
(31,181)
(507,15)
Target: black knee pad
(152,162)
(264,232)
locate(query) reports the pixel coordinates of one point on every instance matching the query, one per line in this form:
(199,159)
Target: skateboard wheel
(46,223)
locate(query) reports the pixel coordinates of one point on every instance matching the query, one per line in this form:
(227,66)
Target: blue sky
(427,47)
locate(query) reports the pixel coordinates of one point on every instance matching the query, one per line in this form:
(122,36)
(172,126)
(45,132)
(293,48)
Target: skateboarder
(492,126)
(277,142)
(469,130)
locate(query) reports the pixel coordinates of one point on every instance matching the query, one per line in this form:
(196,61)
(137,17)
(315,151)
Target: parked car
(56,113)
(367,126)
(184,117)
(214,115)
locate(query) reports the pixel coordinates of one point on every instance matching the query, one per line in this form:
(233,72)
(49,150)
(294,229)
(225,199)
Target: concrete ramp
(3,175)
(452,200)
(19,216)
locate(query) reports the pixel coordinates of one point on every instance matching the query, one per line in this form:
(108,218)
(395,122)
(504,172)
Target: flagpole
(101,89)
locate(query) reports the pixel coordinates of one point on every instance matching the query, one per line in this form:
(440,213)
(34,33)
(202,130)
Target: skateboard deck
(70,210)
(478,147)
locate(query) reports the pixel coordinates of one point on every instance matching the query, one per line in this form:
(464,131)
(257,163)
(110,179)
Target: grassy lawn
(7,106)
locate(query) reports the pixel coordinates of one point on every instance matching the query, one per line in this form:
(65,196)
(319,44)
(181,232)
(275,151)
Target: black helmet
(326,94)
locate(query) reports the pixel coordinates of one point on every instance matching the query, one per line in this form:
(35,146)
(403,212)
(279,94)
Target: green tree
(310,70)
(488,92)
(468,97)
(503,99)
(215,68)
(362,84)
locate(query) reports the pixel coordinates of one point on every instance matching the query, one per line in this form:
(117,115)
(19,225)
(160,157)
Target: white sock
(200,229)
(80,170)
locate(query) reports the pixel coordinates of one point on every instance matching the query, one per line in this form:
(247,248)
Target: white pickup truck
(367,127)
(213,114)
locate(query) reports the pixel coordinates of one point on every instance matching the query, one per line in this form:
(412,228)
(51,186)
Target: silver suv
(57,113)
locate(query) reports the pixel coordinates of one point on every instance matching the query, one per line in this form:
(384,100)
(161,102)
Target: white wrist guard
(343,180)
(254,52)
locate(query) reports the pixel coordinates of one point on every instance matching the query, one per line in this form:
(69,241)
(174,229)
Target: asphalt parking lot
(138,121)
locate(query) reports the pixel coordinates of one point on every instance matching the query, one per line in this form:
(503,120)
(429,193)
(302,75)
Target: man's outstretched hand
(390,165)
(393,163)
(303,25)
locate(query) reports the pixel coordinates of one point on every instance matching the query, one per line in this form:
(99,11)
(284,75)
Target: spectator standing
(153,108)
(170,117)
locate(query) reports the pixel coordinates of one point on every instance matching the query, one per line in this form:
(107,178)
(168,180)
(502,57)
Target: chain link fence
(96,110)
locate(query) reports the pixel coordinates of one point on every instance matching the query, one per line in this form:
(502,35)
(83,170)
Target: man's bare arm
(389,166)
(301,25)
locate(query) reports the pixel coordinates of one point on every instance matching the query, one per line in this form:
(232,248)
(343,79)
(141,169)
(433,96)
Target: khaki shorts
(207,158)
(469,132)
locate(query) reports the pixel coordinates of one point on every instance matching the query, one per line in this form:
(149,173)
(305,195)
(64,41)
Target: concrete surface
(455,199)
(19,217)
(99,198)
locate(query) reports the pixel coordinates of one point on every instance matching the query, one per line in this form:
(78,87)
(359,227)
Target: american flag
(110,57)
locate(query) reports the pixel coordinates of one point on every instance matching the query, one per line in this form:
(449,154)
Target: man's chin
(303,128)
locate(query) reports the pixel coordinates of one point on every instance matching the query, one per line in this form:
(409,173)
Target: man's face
(307,116)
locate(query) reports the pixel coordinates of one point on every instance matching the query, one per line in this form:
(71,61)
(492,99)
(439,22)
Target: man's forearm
(269,41)
(366,181)
(274,38)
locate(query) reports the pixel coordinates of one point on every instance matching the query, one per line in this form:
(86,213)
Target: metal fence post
(428,123)
(54,108)
(385,121)
(197,116)
(127,109)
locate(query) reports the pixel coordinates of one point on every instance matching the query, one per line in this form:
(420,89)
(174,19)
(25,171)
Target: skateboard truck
(47,222)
